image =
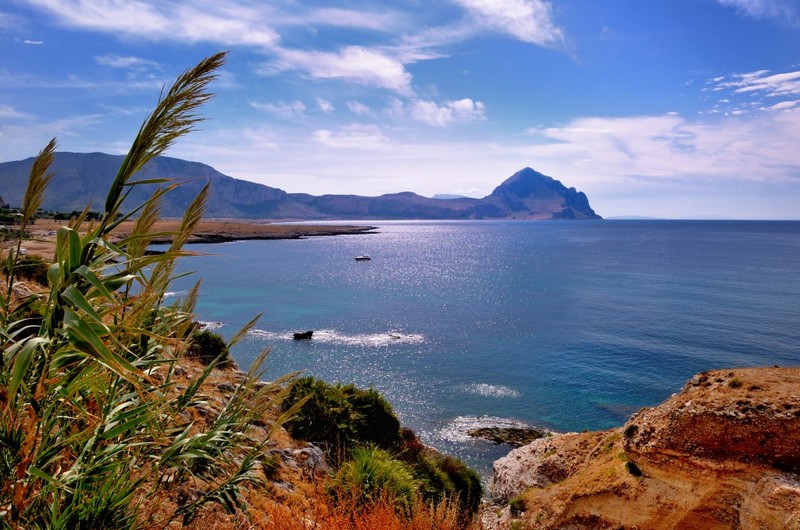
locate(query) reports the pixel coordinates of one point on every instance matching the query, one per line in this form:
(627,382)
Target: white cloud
(224,22)
(759,81)
(362,137)
(352,63)
(287,111)
(33,42)
(452,111)
(8,112)
(8,21)
(356,107)
(783,105)
(672,148)
(325,105)
(118,61)
(755,91)
(787,11)
(526,20)
(381,21)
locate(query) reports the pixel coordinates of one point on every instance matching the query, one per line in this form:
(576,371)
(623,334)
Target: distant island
(82,177)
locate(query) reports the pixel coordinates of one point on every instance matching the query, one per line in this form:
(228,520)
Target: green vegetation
(373,474)
(735,383)
(209,347)
(517,506)
(633,469)
(91,423)
(341,417)
(348,421)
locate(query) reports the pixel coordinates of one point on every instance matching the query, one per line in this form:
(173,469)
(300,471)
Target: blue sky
(664,108)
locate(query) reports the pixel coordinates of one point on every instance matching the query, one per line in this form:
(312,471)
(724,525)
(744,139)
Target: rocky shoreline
(724,453)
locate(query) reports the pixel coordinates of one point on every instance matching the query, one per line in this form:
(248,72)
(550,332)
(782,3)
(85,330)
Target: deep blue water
(566,325)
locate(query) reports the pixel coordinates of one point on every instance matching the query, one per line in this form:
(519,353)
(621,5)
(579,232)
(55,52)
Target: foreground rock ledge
(724,453)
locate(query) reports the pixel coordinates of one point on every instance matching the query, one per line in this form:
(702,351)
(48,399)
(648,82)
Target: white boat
(363,257)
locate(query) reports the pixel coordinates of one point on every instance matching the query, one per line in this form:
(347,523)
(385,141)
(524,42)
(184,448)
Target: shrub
(373,474)
(517,506)
(341,417)
(735,383)
(207,346)
(466,481)
(633,469)
(434,484)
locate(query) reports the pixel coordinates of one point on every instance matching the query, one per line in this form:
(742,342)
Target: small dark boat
(363,257)
(306,335)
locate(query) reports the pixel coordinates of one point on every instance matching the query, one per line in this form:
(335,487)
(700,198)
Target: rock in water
(515,436)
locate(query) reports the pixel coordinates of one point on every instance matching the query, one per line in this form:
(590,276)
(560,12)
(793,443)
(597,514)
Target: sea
(562,325)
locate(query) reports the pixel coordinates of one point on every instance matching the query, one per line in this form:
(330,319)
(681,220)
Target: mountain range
(85,177)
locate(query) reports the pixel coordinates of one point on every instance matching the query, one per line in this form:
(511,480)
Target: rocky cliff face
(722,454)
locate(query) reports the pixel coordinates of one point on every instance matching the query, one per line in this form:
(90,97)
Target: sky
(656,108)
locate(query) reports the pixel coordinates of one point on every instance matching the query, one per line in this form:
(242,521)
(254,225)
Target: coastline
(43,232)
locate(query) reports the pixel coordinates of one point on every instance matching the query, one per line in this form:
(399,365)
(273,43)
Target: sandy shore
(43,231)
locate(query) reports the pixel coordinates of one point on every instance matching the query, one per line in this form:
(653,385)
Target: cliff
(724,453)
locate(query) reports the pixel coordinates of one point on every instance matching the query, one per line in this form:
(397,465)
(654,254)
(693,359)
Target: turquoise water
(565,325)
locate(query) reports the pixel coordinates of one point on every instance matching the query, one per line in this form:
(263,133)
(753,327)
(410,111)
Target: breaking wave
(329,336)
(211,325)
(487,390)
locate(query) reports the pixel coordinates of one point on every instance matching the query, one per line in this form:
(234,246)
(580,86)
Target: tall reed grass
(92,425)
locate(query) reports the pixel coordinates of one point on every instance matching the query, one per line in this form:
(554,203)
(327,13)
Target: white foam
(210,325)
(457,429)
(329,336)
(487,390)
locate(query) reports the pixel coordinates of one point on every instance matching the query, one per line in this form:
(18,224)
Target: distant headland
(82,177)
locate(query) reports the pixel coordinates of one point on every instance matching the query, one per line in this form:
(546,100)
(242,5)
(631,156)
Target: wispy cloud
(672,148)
(357,136)
(33,42)
(356,107)
(787,11)
(118,61)
(405,37)
(8,112)
(755,91)
(452,111)
(325,105)
(385,21)
(201,21)
(288,111)
(353,63)
(526,20)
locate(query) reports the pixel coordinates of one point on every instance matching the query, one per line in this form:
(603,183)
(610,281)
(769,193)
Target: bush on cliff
(207,347)
(345,420)
(342,417)
(372,474)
